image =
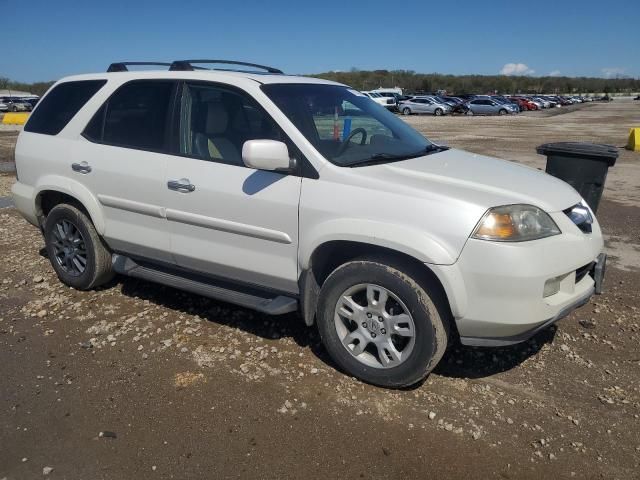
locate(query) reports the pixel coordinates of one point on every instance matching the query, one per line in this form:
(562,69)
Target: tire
(406,111)
(386,359)
(14,108)
(438,112)
(66,230)
(502,111)
(469,112)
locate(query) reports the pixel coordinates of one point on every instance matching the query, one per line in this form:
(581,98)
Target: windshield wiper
(433,148)
(380,158)
(377,159)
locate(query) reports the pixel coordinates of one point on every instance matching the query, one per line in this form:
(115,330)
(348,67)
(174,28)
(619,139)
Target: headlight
(515,223)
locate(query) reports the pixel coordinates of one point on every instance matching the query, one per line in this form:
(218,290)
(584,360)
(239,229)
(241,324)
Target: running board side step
(276,305)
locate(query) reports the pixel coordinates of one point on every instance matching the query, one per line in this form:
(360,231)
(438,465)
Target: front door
(226,219)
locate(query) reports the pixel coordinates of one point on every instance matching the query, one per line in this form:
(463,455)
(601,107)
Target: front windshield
(345,126)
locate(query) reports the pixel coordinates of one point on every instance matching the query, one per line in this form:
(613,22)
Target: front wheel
(502,111)
(438,112)
(406,111)
(77,253)
(380,325)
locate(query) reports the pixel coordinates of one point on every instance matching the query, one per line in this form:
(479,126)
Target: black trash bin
(584,166)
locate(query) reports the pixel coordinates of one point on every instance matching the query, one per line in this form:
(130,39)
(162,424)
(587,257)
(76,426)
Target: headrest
(217,119)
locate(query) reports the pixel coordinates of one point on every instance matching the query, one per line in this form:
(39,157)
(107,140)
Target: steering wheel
(345,142)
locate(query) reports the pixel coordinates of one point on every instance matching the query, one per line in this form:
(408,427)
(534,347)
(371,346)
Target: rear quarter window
(60,105)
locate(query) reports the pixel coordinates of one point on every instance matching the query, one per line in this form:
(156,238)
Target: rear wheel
(406,111)
(77,253)
(379,324)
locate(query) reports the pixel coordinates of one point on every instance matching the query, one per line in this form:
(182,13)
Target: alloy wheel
(374,326)
(69,248)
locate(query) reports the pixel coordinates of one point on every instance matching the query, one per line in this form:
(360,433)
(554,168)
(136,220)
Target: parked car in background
(488,106)
(33,100)
(538,103)
(457,105)
(388,103)
(506,100)
(390,95)
(525,104)
(16,104)
(437,99)
(510,106)
(543,102)
(3,107)
(423,105)
(560,101)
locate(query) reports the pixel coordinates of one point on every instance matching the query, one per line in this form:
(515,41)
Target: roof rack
(182,65)
(122,66)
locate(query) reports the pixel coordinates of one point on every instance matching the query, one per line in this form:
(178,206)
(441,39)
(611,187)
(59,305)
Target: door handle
(82,167)
(182,185)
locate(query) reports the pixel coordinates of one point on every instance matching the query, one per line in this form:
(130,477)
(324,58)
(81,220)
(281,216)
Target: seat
(214,142)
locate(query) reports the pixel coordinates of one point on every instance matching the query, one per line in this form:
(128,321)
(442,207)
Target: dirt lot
(142,381)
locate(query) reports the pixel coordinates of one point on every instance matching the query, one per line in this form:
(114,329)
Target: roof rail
(187,65)
(122,66)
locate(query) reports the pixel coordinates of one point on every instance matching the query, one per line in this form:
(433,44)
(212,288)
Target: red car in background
(524,103)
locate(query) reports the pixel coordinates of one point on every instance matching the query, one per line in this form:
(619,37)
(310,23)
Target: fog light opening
(551,287)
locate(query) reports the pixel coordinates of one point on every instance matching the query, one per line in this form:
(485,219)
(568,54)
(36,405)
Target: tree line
(37,88)
(433,82)
(460,84)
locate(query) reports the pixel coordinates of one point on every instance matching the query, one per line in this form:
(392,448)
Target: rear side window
(60,105)
(135,116)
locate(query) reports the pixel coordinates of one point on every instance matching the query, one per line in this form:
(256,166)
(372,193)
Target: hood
(476,179)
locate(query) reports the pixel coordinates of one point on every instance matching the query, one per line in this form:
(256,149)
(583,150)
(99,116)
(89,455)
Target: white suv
(284,193)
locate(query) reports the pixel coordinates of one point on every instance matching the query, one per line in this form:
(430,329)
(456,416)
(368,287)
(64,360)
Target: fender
(405,239)
(76,190)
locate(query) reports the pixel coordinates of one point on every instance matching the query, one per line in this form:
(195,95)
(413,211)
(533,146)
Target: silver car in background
(423,105)
(489,106)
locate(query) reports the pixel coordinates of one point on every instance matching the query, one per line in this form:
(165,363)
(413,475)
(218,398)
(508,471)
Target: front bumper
(497,290)
(524,336)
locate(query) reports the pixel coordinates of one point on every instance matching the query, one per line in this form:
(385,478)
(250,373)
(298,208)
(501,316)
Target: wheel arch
(329,255)
(52,192)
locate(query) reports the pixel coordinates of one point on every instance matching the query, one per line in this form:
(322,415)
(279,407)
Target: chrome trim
(227,226)
(132,206)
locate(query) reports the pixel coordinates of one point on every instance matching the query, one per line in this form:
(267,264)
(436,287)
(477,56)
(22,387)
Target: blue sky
(45,40)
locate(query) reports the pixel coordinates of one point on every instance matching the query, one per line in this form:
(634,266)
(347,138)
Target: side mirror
(266,155)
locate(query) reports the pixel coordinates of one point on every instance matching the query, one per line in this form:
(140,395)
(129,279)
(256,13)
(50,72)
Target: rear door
(226,219)
(123,162)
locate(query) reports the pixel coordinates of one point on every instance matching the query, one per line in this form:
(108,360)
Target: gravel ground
(137,380)
(6,181)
